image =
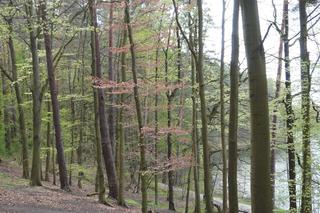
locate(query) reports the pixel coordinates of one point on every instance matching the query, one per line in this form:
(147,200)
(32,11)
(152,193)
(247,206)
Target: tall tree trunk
(104,128)
(261,199)
(274,113)
(195,144)
(222,117)
(121,136)
(169,154)
(143,163)
(233,116)
(22,122)
(156,129)
(36,96)
(306,199)
(169,141)
(100,186)
(49,141)
(111,77)
(290,114)
(54,99)
(188,191)
(205,144)
(6,110)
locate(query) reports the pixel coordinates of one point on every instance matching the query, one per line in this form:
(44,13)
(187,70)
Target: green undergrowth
(9,182)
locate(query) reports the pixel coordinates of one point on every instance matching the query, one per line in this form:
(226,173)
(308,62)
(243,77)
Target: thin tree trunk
(306,199)
(36,99)
(169,141)
(143,163)
(222,117)
(100,186)
(195,145)
(121,136)
(111,77)
(233,116)
(156,130)
(22,122)
(49,139)
(188,191)
(274,113)
(261,199)
(290,115)
(104,128)
(6,110)
(205,144)
(54,99)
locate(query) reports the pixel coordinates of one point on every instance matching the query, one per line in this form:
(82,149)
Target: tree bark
(49,141)
(274,113)
(100,185)
(112,77)
(204,129)
(233,116)
(261,199)
(222,117)
(306,199)
(121,136)
(290,114)
(104,128)
(22,122)
(36,99)
(6,110)
(143,163)
(54,99)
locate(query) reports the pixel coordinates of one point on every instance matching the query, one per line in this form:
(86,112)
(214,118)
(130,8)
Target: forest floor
(17,196)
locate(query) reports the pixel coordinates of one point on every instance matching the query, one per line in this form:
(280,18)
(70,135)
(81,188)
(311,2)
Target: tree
(222,115)
(54,98)
(100,177)
(19,97)
(104,128)
(204,129)
(261,199)
(143,164)
(289,112)
(36,98)
(233,116)
(275,110)
(121,137)
(306,199)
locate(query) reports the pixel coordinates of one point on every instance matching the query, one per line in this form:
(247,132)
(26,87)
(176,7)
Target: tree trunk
(205,144)
(261,199)
(233,116)
(306,199)
(195,144)
(22,122)
(274,113)
(222,118)
(290,115)
(54,99)
(36,99)
(100,186)
(49,139)
(121,200)
(111,77)
(6,110)
(104,128)
(143,163)
(188,191)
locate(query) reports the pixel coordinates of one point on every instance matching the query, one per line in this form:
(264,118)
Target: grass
(9,182)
